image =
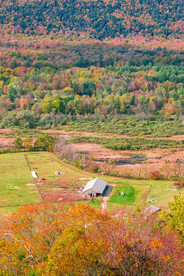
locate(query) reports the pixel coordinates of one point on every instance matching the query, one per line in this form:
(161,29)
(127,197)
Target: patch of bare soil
(5,131)
(94,134)
(174,137)
(96,150)
(59,190)
(6,142)
(72,134)
(145,194)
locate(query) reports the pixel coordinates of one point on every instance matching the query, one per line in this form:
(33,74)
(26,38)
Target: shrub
(179,185)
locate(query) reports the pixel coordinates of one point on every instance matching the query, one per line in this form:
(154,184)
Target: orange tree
(71,239)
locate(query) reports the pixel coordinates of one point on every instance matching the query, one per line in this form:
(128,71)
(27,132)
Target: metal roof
(97,184)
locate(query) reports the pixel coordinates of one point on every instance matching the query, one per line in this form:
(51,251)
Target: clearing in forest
(17,187)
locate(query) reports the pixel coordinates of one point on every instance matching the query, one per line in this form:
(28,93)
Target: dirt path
(145,194)
(103,206)
(5,130)
(6,142)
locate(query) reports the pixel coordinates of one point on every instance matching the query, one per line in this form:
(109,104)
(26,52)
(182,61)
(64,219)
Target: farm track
(146,193)
(35,181)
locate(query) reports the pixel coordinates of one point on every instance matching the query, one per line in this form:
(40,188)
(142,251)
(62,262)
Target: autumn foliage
(96,18)
(48,239)
(51,81)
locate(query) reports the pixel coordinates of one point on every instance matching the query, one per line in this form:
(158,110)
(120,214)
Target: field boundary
(35,181)
(146,193)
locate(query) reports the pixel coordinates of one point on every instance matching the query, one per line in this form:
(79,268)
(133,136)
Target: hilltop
(95,18)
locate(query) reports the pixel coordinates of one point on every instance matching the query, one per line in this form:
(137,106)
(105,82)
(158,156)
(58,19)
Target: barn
(94,188)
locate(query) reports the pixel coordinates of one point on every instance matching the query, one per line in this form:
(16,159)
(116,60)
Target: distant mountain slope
(97,18)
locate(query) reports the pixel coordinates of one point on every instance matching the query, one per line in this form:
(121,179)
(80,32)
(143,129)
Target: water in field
(137,159)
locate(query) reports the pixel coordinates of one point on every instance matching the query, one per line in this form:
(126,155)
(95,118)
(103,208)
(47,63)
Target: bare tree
(64,149)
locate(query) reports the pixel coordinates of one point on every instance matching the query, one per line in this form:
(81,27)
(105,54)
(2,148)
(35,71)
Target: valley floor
(17,187)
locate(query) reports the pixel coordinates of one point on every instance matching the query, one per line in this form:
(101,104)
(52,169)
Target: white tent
(34,174)
(94,187)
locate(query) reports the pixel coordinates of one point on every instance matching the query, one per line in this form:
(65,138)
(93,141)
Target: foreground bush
(50,239)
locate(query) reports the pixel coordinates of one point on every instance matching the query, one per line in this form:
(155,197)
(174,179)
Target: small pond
(136,159)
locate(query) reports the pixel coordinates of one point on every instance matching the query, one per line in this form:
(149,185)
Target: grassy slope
(138,192)
(15,175)
(15,182)
(45,164)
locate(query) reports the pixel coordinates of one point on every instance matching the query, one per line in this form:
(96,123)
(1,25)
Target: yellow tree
(175,216)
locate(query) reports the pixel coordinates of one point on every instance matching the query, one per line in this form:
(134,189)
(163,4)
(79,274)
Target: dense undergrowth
(130,143)
(127,125)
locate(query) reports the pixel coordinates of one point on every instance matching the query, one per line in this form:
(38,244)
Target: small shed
(94,187)
(34,174)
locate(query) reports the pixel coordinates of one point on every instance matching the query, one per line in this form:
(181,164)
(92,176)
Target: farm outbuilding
(34,174)
(94,187)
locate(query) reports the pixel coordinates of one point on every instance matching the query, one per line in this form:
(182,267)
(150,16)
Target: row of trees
(44,143)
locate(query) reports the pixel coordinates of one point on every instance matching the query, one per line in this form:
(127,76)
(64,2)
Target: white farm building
(94,187)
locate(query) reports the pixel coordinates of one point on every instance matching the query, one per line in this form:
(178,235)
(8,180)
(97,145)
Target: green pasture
(138,192)
(17,186)
(132,194)
(45,164)
(16,183)
(93,203)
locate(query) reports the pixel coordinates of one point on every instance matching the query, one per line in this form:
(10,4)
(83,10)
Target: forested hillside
(64,61)
(50,83)
(95,18)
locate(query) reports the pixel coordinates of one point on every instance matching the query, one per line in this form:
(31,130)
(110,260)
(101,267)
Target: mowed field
(16,183)
(17,186)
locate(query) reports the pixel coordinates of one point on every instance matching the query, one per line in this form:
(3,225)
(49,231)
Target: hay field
(17,186)
(16,183)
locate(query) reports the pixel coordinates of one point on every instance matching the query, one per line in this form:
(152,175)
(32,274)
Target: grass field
(132,194)
(45,164)
(16,183)
(17,186)
(138,192)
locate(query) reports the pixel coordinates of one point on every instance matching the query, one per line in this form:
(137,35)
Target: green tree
(46,105)
(12,93)
(45,143)
(26,119)
(59,105)
(10,120)
(68,90)
(28,144)
(18,143)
